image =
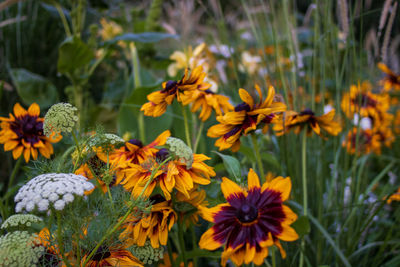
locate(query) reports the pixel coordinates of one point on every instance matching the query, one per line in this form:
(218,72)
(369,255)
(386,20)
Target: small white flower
(43,205)
(53,197)
(30,206)
(59,204)
(327,108)
(68,198)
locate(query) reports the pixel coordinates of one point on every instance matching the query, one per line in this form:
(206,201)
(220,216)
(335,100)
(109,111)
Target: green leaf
(271,160)
(232,166)
(144,37)
(302,226)
(73,54)
(33,88)
(130,110)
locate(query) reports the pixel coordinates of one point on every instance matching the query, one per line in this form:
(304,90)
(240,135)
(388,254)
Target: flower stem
(258,156)
(198,137)
(79,150)
(133,205)
(60,240)
(14,172)
(182,243)
(304,181)
(185,119)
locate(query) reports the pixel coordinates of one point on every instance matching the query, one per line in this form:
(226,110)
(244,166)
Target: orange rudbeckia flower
(252,220)
(23,133)
(297,121)
(245,118)
(159,100)
(391,80)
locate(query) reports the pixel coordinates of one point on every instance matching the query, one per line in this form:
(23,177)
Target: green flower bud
(60,118)
(19,220)
(20,249)
(147,254)
(181,150)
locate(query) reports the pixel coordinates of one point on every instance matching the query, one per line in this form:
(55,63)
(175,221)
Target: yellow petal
(252,179)
(19,111)
(229,188)
(246,97)
(34,110)
(279,184)
(207,240)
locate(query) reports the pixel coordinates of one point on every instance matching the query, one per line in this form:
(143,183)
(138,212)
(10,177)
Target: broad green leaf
(73,54)
(129,114)
(302,226)
(33,88)
(144,37)
(232,166)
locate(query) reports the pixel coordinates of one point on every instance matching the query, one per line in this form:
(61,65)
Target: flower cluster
(147,254)
(60,118)
(372,120)
(51,190)
(20,249)
(20,220)
(23,133)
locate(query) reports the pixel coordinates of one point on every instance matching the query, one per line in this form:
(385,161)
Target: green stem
(304,181)
(79,151)
(182,243)
(118,224)
(258,156)
(185,119)
(14,172)
(194,244)
(198,137)
(10,183)
(63,19)
(60,240)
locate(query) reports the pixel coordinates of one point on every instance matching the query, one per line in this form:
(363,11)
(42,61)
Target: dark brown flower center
(307,111)
(247,213)
(136,142)
(365,101)
(242,106)
(101,254)
(28,128)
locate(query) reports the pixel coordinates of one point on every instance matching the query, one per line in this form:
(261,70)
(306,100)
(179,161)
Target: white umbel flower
(50,190)
(17,220)
(181,150)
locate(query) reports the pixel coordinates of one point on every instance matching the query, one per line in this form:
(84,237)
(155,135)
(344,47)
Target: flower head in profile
(188,208)
(360,100)
(207,101)
(252,220)
(361,141)
(160,100)
(246,117)
(20,221)
(307,119)
(391,80)
(23,133)
(112,256)
(154,227)
(175,173)
(147,254)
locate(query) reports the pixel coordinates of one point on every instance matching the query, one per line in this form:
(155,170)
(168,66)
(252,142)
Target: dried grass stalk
(344,17)
(386,38)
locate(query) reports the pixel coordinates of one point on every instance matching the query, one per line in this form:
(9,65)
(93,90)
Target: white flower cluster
(20,249)
(181,150)
(50,190)
(61,117)
(20,220)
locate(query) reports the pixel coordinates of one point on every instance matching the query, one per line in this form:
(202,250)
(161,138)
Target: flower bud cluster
(50,190)
(19,249)
(181,150)
(147,254)
(59,118)
(20,220)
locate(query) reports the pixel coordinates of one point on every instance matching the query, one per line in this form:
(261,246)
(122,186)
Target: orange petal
(27,154)
(10,145)
(17,152)
(207,240)
(34,110)
(246,97)
(19,111)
